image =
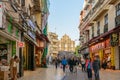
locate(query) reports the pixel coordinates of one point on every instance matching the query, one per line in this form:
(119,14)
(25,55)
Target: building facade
(99,30)
(66,44)
(53,46)
(23,32)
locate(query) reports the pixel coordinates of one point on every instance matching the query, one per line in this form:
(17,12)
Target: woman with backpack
(89,69)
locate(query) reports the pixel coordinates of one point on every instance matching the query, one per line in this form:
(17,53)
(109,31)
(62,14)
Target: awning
(42,37)
(45,37)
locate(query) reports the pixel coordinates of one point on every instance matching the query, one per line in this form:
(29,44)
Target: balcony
(55,40)
(36,8)
(113,1)
(86,5)
(117,21)
(105,28)
(100,14)
(90,1)
(87,16)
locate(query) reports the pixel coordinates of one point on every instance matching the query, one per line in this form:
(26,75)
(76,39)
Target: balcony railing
(117,21)
(86,5)
(36,7)
(112,1)
(87,16)
(90,1)
(105,28)
(93,10)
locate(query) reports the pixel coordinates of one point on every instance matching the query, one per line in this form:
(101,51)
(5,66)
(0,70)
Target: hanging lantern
(41,44)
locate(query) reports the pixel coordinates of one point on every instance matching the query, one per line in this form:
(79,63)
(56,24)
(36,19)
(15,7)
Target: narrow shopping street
(35,35)
(52,74)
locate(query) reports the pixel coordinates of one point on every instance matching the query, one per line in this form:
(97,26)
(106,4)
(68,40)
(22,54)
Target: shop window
(3,51)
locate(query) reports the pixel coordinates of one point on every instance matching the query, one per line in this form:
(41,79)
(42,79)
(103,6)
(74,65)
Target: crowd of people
(88,65)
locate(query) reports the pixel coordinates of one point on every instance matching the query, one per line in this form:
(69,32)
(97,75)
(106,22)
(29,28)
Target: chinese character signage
(114,39)
(98,46)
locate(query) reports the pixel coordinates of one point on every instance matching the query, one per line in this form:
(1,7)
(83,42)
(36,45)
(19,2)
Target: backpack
(89,65)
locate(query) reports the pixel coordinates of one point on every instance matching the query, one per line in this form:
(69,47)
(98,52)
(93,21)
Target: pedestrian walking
(96,67)
(83,64)
(13,66)
(50,60)
(56,62)
(64,63)
(71,64)
(104,64)
(89,69)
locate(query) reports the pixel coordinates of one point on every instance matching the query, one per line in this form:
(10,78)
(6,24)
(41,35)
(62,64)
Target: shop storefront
(39,49)
(105,52)
(29,48)
(28,55)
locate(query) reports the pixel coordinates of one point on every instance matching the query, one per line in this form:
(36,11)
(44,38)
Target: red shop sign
(97,46)
(21,44)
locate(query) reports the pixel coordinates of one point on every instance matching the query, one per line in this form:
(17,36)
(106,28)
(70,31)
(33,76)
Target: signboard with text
(114,39)
(21,44)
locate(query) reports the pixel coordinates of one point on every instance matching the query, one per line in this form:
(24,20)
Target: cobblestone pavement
(52,74)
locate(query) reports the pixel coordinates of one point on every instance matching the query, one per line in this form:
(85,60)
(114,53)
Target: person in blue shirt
(64,63)
(89,69)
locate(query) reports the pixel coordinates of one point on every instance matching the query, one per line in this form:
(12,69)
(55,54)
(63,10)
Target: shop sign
(114,39)
(21,44)
(31,34)
(2,16)
(41,44)
(31,24)
(97,47)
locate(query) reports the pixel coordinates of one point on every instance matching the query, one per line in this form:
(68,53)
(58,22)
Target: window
(106,19)
(23,2)
(106,23)
(118,10)
(98,28)
(92,31)
(117,19)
